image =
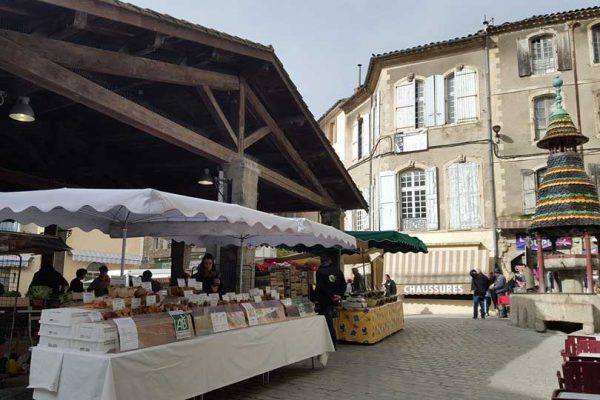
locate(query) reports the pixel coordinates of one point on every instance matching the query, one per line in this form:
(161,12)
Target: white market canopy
(148,212)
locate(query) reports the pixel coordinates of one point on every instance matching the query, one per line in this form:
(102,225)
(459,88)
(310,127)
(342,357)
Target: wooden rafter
(31,66)
(217,113)
(256,136)
(284,144)
(241,116)
(30,181)
(121,64)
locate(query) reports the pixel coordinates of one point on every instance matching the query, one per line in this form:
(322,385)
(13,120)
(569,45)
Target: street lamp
(206,179)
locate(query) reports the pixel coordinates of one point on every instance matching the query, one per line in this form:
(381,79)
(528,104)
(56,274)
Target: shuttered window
(355,141)
(348,226)
(465,94)
(542,55)
(595,174)
(528,184)
(387,201)
(419,104)
(464,195)
(596,43)
(542,109)
(432,198)
(434,101)
(405,105)
(365,136)
(361,216)
(450,108)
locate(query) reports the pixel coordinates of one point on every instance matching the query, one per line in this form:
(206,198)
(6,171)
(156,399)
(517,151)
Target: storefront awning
(443,271)
(13,260)
(102,257)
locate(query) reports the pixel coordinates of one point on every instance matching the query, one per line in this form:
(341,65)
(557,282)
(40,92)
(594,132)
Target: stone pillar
(333,218)
(588,263)
(243,181)
(540,262)
(180,260)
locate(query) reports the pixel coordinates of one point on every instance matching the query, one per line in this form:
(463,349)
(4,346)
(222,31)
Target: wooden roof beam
(217,113)
(256,136)
(31,66)
(284,144)
(121,64)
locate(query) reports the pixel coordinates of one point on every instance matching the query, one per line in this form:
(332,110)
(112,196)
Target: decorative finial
(557,83)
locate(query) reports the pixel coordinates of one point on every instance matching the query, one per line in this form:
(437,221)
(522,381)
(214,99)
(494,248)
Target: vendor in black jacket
(479,286)
(330,288)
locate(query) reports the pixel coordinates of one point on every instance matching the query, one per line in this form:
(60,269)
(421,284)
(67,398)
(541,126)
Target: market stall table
(178,370)
(370,325)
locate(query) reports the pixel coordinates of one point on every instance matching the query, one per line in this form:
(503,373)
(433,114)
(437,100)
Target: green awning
(390,241)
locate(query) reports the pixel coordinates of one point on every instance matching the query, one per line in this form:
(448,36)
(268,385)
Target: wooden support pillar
(588,263)
(180,259)
(540,262)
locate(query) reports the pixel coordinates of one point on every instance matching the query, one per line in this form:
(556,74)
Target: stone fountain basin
(568,261)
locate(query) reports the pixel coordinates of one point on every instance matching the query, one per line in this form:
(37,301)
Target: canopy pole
(241,261)
(362,254)
(123,248)
(14,311)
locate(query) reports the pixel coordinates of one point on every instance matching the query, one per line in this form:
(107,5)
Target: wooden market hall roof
(126,97)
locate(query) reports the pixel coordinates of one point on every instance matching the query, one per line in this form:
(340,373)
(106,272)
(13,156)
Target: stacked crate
(298,283)
(280,280)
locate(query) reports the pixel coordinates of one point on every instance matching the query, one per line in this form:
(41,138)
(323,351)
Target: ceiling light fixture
(22,111)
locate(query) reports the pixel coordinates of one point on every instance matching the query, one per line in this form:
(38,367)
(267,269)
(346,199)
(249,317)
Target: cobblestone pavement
(435,357)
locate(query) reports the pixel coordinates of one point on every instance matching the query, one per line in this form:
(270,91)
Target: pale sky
(320,42)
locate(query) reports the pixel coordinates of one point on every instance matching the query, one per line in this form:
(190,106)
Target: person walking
(390,286)
(330,288)
(479,286)
(501,288)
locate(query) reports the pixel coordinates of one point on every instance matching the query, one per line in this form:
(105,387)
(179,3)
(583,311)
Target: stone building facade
(421,143)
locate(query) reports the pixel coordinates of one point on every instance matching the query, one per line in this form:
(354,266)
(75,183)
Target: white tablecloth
(178,370)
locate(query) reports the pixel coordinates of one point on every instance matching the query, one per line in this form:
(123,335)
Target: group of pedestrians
(486,290)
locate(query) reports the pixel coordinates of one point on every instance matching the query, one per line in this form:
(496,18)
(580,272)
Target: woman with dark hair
(48,276)
(101,283)
(206,272)
(76,285)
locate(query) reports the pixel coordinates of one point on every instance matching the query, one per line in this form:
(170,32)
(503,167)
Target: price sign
(239,298)
(301,309)
(195,284)
(250,314)
(147,286)
(136,302)
(214,296)
(203,297)
(276,297)
(187,293)
(258,299)
(219,322)
(286,302)
(268,289)
(182,325)
(245,296)
(226,297)
(118,304)
(96,316)
(180,282)
(150,300)
(214,303)
(88,297)
(128,334)
(118,281)
(136,281)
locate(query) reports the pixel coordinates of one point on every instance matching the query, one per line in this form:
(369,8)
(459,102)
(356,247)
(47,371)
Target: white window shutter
(388,219)
(366,136)
(465,89)
(453,196)
(405,105)
(528,186)
(355,141)
(430,102)
(473,209)
(364,215)
(440,100)
(348,221)
(432,198)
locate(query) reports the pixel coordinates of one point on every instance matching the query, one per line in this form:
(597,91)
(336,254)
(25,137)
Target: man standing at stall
(479,287)
(330,288)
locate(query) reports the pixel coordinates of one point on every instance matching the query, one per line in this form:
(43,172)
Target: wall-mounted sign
(456,288)
(563,243)
(407,142)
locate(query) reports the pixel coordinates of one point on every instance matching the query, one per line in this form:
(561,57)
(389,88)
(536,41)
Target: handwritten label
(88,297)
(150,300)
(214,303)
(257,299)
(214,296)
(96,316)
(181,282)
(226,297)
(187,293)
(268,289)
(182,325)
(239,298)
(118,304)
(195,284)
(203,297)
(128,334)
(286,302)
(136,281)
(250,314)
(136,302)
(118,281)
(277,296)
(273,293)
(147,286)
(219,322)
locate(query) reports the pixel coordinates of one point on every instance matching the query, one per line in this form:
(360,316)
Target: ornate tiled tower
(567,201)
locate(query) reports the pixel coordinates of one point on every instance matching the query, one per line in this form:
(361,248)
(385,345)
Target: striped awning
(103,257)
(438,267)
(13,260)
